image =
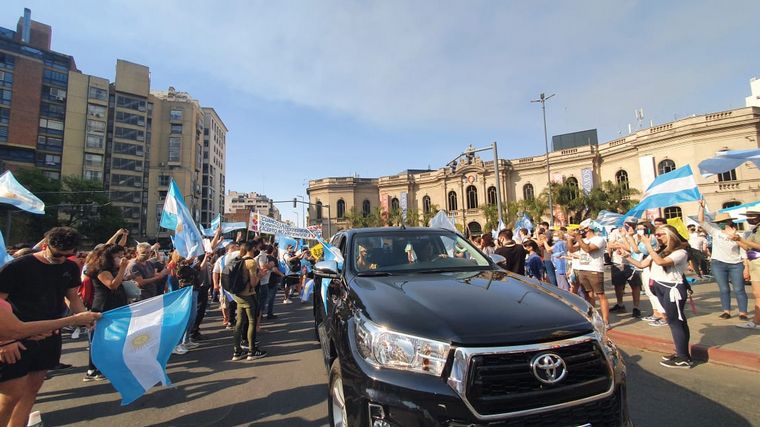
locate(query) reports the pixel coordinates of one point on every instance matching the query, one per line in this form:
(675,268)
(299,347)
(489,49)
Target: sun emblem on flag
(140,341)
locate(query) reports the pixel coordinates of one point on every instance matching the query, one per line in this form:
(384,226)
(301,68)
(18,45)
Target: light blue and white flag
(215,222)
(607,218)
(738,212)
(727,160)
(4,257)
(174,200)
(188,240)
(13,193)
(668,189)
(132,344)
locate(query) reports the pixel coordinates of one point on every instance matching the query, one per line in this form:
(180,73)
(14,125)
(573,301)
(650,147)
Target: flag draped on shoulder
(4,257)
(13,193)
(668,189)
(132,344)
(727,160)
(188,239)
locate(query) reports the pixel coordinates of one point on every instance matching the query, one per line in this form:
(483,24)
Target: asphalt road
(288,387)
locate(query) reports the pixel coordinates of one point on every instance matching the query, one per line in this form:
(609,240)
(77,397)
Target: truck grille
(504,382)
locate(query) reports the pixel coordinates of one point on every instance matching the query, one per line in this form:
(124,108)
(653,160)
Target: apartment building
(214,150)
(238,205)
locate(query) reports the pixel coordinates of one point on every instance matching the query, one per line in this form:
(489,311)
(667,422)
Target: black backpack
(294,265)
(235,271)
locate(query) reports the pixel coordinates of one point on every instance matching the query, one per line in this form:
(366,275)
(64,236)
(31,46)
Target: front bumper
(399,398)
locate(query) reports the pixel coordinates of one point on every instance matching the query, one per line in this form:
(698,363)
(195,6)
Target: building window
(319,210)
(528,192)
(98,93)
(131,103)
(176,129)
(452,201)
(98,111)
(472,197)
(366,208)
(341,209)
(175,149)
(621,178)
(130,118)
(394,204)
(491,195)
(727,176)
(426,204)
(665,166)
(49,143)
(5,96)
(95,126)
(572,184)
(95,141)
(48,160)
(672,212)
(175,115)
(731,204)
(93,160)
(93,175)
(126,148)
(51,126)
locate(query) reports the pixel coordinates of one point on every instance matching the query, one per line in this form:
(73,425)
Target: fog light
(381,423)
(377,416)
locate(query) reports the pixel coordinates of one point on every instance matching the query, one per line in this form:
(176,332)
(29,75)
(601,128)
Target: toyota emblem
(548,368)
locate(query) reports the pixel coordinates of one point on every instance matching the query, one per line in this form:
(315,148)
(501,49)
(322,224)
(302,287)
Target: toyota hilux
(419,327)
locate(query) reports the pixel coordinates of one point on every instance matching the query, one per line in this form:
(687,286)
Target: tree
(427,216)
(27,227)
(491,213)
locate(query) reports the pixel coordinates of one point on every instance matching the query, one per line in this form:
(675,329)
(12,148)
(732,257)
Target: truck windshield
(415,251)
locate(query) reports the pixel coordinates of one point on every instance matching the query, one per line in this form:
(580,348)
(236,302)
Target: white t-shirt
(697,242)
(723,248)
(263,263)
(616,237)
(593,261)
(672,273)
(222,261)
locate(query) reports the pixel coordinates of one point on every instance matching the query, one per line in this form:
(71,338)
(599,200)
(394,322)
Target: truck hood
(485,308)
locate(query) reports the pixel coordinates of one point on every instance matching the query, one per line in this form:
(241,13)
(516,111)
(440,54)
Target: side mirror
(498,259)
(328,269)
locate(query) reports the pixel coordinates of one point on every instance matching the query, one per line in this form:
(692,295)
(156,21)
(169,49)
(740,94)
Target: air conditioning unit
(139,153)
(141,108)
(141,137)
(138,168)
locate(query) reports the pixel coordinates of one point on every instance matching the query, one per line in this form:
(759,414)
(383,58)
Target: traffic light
(295,202)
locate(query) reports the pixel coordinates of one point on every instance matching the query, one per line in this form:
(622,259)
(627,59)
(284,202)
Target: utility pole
(542,99)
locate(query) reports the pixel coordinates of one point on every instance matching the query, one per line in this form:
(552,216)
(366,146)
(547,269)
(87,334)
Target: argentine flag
(4,257)
(174,200)
(13,193)
(727,160)
(669,189)
(132,344)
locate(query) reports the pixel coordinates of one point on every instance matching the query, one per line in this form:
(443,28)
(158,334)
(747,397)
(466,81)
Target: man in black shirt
(514,253)
(36,286)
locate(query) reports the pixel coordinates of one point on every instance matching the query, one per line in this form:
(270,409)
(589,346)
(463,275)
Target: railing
(569,151)
(661,128)
(617,142)
(526,160)
(728,186)
(718,116)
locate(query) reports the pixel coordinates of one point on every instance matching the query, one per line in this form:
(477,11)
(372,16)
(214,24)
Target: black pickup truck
(418,327)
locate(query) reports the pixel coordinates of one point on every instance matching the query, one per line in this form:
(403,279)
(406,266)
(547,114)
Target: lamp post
(542,99)
(298,217)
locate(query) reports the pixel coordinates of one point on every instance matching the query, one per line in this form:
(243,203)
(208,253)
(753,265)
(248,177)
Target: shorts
(292,280)
(754,270)
(592,281)
(626,274)
(39,356)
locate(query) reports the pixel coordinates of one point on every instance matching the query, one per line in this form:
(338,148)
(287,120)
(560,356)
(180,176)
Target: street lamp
(542,99)
(298,217)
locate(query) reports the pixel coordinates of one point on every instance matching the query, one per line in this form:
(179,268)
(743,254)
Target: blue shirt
(534,267)
(559,250)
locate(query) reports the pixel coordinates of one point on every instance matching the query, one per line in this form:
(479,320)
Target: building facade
(238,205)
(66,123)
(635,160)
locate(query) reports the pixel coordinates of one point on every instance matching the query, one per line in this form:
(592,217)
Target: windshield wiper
(449,270)
(373,274)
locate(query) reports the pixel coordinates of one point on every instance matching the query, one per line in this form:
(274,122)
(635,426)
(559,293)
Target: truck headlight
(384,348)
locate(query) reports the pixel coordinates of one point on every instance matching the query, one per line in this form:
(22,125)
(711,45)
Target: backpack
(236,279)
(294,265)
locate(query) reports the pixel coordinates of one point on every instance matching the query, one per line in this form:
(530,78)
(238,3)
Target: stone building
(635,159)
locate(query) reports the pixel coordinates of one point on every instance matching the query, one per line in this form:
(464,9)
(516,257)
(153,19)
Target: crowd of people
(53,285)
(649,256)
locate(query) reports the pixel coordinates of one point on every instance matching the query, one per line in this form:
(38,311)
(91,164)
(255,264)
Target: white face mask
(640,232)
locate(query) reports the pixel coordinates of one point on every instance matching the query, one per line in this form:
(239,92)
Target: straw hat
(722,216)
(752,213)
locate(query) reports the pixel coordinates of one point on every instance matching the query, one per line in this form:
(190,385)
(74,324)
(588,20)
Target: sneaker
(725,315)
(93,376)
(229,326)
(75,334)
(650,318)
(191,345)
(677,362)
(180,349)
(198,337)
(658,323)
(637,313)
(244,345)
(617,308)
(237,356)
(256,354)
(669,357)
(748,325)
(286,301)
(743,317)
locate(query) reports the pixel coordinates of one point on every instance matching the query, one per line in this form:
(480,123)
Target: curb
(732,358)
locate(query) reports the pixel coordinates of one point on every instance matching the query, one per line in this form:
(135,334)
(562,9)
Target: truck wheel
(336,400)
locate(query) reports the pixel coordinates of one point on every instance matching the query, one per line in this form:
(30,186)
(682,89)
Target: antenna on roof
(639,113)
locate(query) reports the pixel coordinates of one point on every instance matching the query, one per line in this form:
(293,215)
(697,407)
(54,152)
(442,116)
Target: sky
(311,89)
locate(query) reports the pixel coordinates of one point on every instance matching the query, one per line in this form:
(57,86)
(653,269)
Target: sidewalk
(712,339)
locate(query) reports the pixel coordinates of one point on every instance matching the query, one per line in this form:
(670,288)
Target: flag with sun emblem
(132,344)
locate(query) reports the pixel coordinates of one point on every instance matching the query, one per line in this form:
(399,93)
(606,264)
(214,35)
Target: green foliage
(72,202)
(427,216)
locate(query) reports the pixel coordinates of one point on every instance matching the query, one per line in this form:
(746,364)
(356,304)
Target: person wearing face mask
(698,245)
(590,270)
(622,271)
(667,266)
(726,263)
(752,245)
(37,286)
(106,267)
(638,245)
(142,271)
